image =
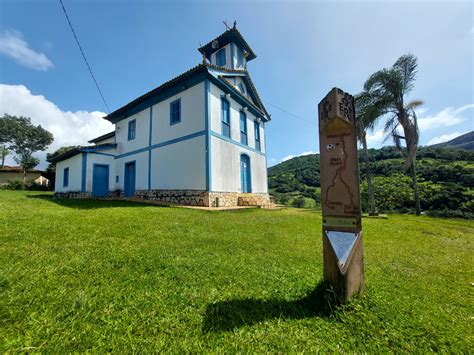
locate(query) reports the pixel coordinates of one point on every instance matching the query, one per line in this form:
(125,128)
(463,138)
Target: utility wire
(84,56)
(291,114)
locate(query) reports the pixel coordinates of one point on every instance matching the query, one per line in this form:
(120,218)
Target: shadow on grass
(231,314)
(91,203)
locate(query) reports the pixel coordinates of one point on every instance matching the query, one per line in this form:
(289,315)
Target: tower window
(242,88)
(220,57)
(257,135)
(240,58)
(225,118)
(243,128)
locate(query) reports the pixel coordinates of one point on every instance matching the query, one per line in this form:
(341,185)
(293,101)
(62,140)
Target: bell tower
(229,50)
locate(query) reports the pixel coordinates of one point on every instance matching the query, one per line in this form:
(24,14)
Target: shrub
(33,186)
(15,184)
(299,202)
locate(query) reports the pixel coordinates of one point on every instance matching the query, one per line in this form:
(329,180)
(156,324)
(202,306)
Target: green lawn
(117,276)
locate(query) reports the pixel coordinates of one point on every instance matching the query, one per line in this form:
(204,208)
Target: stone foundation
(72,194)
(187,197)
(258,199)
(179,197)
(222,199)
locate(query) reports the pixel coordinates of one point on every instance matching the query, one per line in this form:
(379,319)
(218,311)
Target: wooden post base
(343,262)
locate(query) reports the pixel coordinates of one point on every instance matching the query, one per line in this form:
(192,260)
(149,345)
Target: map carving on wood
(338,153)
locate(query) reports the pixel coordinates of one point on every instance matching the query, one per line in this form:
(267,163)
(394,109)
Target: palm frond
(407,65)
(412,105)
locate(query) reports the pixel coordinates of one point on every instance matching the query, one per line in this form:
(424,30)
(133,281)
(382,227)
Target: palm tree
(368,111)
(389,87)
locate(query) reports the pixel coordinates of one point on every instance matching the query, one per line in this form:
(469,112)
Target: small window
(117,179)
(240,58)
(175,112)
(243,128)
(132,127)
(257,135)
(66,177)
(242,88)
(225,118)
(220,57)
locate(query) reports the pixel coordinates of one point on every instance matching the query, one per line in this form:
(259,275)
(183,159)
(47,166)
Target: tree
(389,88)
(24,138)
(4,152)
(368,111)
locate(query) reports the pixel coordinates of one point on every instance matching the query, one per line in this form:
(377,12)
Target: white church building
(198,139)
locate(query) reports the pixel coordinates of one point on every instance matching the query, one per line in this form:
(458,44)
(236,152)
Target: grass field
(118,276)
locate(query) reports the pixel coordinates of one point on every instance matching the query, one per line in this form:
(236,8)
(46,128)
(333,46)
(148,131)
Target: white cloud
(288,157)
(376,137)
(68,128)
(444,118)
(444,138)
(14,46)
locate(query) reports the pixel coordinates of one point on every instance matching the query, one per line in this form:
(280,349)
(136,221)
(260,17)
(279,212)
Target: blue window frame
(175,112)
(66,177)
(257,135)
(225,111)
(240,58)
(220,57)
(242,88)
(132,128)
(243,128)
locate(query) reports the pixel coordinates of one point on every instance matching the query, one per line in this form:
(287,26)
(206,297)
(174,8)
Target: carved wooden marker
(340,194)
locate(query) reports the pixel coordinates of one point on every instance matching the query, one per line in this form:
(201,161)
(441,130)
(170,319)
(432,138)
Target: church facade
(198,139)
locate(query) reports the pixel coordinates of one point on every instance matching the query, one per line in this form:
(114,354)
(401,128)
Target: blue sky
(304,48)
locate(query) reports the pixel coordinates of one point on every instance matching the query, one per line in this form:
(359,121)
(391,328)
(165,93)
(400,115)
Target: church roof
(80,149)
(231,35)
(204,69)
(248,79)
(102,137)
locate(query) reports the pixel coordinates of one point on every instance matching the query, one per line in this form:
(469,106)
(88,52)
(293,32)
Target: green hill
(465,141)
(446,179)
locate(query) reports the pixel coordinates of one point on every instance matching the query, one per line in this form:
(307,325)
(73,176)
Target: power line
(84,56)
(291,114)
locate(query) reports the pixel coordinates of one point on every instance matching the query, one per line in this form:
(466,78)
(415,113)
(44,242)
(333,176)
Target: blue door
(245,173)
(129,181)
(100,180)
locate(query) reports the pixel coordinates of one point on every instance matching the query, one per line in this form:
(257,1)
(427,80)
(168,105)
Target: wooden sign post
(340,194)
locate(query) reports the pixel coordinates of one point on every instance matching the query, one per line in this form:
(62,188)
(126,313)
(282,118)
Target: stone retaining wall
(179,197)
(257,199)
(72,194)
(187,197)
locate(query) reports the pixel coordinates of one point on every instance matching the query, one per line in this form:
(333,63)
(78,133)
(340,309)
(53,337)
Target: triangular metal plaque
(342,244)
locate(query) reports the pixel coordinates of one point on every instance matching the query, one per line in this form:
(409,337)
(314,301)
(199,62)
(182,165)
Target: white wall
(192,115)
(100,159)
(235,107)
(141,133)
(75,174)
(141,170)
(226,155)
(226,175)
(180,166)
